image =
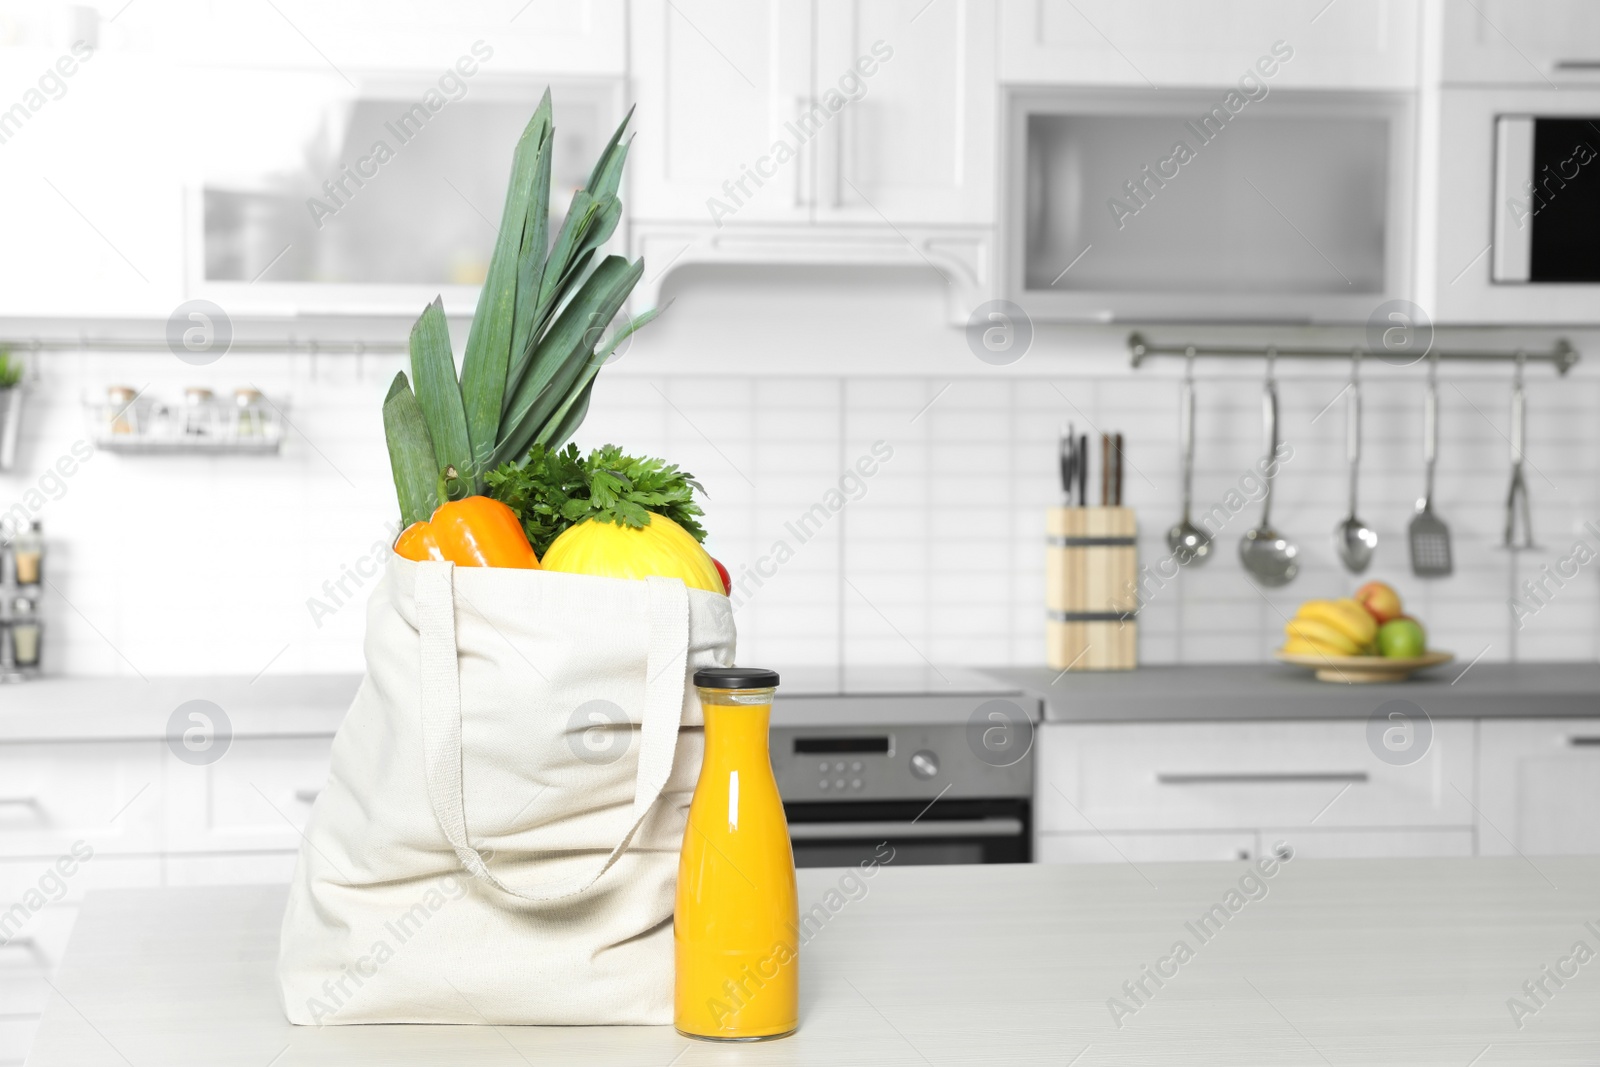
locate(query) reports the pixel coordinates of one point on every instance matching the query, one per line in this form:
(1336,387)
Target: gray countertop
(1260,691)
(285,705)
(1376,962)
(117,708)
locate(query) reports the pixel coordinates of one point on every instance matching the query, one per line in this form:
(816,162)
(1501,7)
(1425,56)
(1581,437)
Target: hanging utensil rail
(1562,355)
(254,346)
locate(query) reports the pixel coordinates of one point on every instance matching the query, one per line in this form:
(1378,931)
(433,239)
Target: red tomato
(727,579)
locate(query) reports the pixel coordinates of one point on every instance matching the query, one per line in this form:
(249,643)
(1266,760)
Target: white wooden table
(1342,962)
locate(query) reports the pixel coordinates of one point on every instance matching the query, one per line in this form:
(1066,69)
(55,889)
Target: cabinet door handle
(26,944)
(1247,778)
(1583,740)
(19,802)
(307,796)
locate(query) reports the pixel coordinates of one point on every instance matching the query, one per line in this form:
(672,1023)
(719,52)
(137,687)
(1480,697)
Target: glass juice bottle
(736,926)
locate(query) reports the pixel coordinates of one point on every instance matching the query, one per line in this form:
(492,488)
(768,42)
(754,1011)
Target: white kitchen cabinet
(1219,775)
(104,793)
(1539,787)
(1370,843)
(1145,848)
(537,36)
(814,111)
(257,797)
(718,86)
(815,132)
(918,146)
(237,868)
(33,938)
(1228,790)
(1552,42)
(1349,44)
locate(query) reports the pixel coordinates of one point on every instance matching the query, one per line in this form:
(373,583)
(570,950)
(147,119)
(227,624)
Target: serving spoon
(1188,543)
(1271,558)
(1354,539)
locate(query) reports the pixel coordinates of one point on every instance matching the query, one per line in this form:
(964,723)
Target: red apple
(1380,600)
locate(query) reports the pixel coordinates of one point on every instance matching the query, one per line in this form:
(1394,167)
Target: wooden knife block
(1091,591)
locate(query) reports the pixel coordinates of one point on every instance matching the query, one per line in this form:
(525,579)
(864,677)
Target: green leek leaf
(411,456)
(483,370)
(433,368)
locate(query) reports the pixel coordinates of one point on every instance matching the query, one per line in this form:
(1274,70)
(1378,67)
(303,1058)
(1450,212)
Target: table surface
(1335,962)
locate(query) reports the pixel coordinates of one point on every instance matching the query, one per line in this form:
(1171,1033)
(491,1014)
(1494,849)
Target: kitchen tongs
(1517,494)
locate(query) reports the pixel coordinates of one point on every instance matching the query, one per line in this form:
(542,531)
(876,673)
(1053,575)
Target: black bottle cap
(735,678)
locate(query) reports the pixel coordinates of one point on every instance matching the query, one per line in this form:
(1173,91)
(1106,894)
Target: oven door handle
(820,831)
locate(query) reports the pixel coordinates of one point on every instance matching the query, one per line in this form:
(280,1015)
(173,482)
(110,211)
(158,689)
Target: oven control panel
(900,762)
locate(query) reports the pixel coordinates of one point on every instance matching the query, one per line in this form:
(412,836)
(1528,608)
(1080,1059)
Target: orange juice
(736,926)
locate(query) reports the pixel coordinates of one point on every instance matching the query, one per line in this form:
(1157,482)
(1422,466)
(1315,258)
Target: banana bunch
(1331,628)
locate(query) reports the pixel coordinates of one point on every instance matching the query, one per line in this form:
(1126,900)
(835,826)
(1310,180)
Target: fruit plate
(1350,669)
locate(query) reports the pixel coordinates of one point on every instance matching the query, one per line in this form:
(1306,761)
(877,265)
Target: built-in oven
(897,767)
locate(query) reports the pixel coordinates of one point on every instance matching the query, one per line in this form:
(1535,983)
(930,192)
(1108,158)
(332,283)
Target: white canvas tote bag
(498,840)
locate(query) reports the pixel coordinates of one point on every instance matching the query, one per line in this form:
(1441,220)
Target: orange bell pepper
(475,532)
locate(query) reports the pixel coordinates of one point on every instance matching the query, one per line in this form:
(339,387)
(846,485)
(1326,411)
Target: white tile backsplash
(188,565)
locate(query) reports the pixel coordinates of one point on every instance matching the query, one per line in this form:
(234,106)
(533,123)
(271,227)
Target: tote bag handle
(666,667)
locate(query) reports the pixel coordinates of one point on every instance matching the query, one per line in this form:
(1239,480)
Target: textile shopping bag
(498,839)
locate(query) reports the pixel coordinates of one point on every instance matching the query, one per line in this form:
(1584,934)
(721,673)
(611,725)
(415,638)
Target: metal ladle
(1189,544)
(1354,539)
(1271,558)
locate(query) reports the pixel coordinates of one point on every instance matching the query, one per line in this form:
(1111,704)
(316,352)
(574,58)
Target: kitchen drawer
(1539,787)
(16,1034)
(255,868)
(1238,775)
(43,876)
(1371,844)
(1144,848)
(256,797)
(105,793)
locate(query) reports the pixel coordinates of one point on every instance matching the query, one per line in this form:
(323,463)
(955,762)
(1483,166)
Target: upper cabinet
(917,145)
(1345,44)
(1548,43)
(815,131)
(546,37)
(721,91)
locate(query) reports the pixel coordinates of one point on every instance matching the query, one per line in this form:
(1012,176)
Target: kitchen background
(817,318)
(194,198)
(186,565)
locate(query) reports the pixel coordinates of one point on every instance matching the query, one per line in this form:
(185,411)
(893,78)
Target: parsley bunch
(558,489)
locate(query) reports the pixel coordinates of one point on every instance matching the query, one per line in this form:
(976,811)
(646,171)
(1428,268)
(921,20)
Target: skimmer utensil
(1271,558)
(1354,539)
(1429,536)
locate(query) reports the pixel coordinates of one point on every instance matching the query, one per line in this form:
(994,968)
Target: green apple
(1402,639)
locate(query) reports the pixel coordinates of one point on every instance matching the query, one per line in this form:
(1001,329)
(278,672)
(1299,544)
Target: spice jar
(249,413)
(27,556)
(24,631)
(199,412)
(120,417)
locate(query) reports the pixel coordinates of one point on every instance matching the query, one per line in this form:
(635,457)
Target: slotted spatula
(1429,536)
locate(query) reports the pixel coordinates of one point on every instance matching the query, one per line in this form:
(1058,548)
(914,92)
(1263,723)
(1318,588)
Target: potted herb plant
(10,407)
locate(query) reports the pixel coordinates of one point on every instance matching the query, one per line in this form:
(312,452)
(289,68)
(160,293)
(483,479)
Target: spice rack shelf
(134,424)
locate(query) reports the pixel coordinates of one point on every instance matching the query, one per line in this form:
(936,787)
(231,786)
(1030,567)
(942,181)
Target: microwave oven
(1547,199)
(1510,206)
